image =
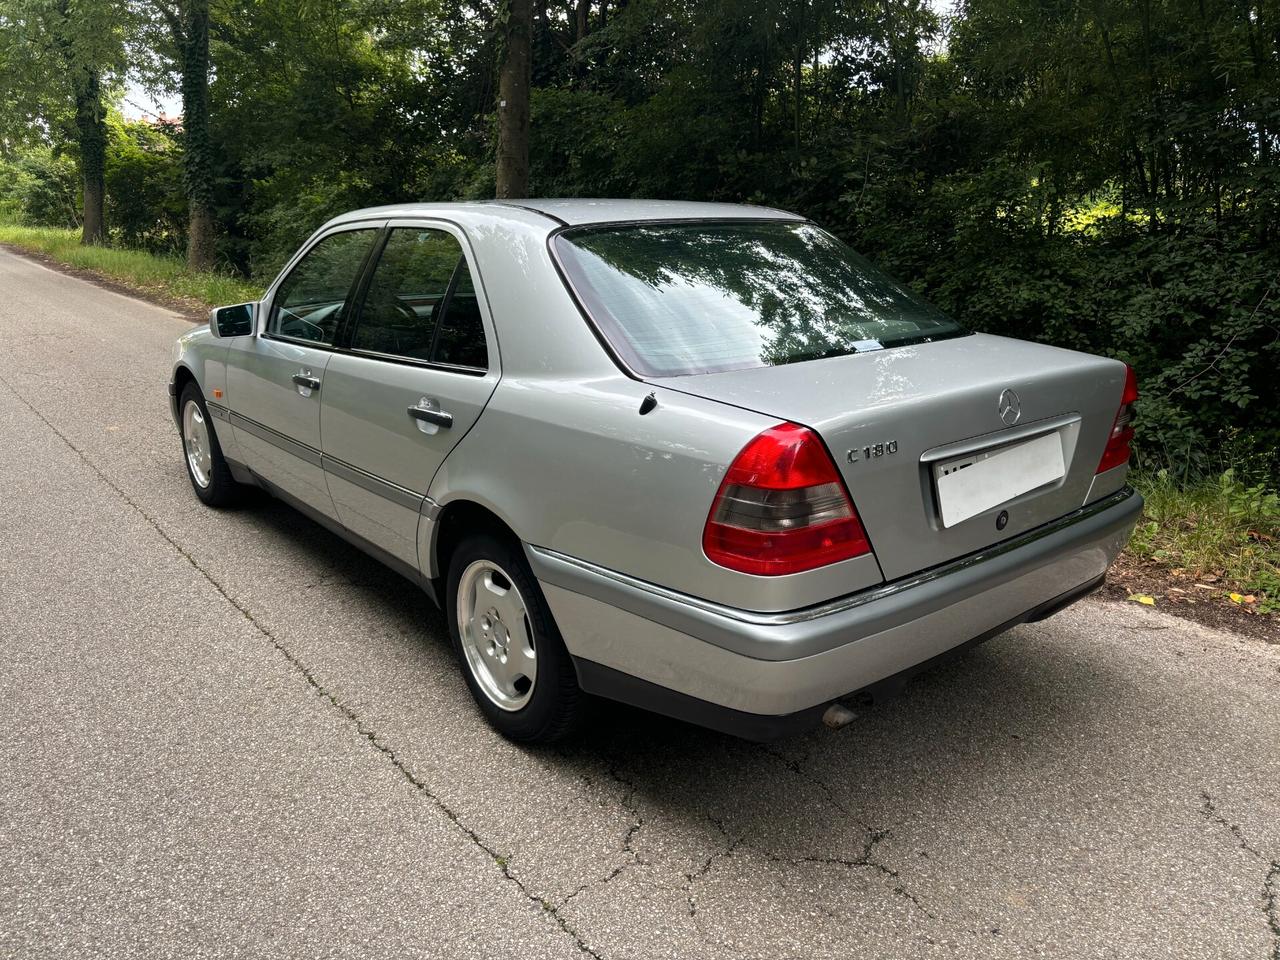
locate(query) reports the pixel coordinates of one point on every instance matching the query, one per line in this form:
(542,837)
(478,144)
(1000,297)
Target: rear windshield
(681,298)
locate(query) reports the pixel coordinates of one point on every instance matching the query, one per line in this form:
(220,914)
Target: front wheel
(513,659)
(206,467)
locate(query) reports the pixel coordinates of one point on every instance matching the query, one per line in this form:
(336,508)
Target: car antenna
(648,404)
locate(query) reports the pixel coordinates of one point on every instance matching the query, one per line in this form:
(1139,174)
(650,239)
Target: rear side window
(460,340)
(683,298)
(421,303)
(309,302)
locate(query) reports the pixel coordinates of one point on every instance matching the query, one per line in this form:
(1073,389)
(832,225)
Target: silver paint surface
(933,396)
(552,441)
(611,635)
(843,648)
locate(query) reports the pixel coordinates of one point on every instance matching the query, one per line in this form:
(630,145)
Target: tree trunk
(94,230)
(582,26)
(797,66)
(193,41)
(1121,100)
(513,103)
(91,129)
(201,253)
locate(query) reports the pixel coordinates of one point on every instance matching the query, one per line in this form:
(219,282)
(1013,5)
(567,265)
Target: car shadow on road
(1002,714)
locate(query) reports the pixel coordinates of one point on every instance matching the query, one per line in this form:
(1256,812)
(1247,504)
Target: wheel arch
(458,519)
(182,375)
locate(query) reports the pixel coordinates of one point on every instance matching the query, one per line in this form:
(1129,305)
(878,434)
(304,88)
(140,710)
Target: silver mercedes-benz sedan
(700,458)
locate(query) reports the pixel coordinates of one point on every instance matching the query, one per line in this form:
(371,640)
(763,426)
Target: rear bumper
(753,673)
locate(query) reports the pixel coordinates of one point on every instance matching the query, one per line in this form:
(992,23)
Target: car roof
(560,212)
(612,211)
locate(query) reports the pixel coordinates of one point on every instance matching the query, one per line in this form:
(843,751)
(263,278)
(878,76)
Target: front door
(275,380)
(414,374)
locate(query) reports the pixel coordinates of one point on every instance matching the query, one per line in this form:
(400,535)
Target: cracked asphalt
(231,734)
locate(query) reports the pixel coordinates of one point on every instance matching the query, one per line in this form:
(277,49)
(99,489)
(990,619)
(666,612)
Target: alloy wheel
(497,638)
(195,437)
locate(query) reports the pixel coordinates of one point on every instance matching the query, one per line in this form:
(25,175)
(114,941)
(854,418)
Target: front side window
(699,297)
(421,303)
(309,302)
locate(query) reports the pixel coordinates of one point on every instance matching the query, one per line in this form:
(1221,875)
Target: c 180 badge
(871,451)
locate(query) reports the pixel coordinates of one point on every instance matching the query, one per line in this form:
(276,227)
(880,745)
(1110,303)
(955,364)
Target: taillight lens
(782,508)
(1117,452)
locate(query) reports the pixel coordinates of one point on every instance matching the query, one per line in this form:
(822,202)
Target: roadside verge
(162,280)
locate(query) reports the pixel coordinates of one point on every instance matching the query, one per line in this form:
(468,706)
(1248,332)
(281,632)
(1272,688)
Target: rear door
(275,379)
(416,368)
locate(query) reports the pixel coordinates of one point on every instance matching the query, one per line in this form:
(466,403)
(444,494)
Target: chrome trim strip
(430,509)
(413,361)
(300,450)
(541,213)
(299,341)
(400,496)
(999,438)
(851,601)
(218,411)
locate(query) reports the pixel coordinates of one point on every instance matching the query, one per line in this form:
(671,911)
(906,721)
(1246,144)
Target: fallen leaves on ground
(1201,595)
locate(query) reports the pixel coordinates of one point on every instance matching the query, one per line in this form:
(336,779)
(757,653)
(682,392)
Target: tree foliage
(1100,174)
(56,59)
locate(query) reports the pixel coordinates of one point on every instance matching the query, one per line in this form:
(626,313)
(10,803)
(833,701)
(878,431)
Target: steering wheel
(304,327)
(406,312)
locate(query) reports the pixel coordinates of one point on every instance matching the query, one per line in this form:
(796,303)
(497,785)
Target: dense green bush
(1195,311)
(145,204)
(40,187)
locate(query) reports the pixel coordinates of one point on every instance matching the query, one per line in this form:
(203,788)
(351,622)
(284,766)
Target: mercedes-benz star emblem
(1010,407)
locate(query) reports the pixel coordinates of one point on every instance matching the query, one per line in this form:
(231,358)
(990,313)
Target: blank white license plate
(970,485)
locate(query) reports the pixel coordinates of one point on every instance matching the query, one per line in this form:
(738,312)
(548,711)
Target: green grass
(1218,527)
(148,273)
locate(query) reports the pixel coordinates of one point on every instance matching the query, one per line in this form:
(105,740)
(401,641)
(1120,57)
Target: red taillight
(1117,452)
(782,508)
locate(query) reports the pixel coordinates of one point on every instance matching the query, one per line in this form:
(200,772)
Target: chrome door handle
(303,380)
(438,417)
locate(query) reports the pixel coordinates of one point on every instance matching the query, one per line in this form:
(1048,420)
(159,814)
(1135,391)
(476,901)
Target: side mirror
(234,321)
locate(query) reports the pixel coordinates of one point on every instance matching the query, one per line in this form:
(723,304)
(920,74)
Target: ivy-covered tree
(57,59)
(176,32)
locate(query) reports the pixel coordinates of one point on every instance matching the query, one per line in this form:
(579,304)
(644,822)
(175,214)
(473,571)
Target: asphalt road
(230,734)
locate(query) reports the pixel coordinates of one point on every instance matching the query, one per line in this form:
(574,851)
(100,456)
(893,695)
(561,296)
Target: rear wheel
(512,656)
(206,467)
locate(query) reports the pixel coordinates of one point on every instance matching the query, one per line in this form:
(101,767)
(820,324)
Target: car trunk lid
(896,421)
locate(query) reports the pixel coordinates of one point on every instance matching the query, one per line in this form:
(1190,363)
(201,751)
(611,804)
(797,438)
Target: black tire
(556,703)
(221,489)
